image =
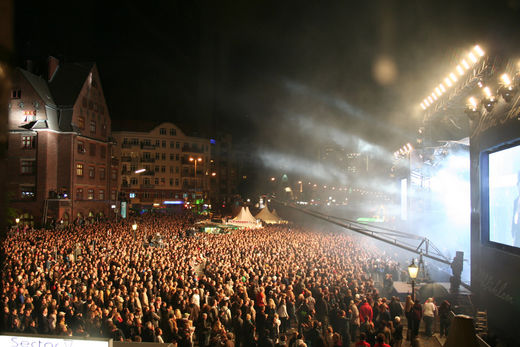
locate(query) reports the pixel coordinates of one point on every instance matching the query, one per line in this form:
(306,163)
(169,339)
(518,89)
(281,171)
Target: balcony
(147,160)
(147,186)
(147,146)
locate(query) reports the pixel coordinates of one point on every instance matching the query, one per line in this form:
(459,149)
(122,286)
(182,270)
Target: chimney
(54,63)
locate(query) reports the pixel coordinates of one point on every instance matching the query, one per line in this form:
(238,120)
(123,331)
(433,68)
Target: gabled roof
(40,86)
(68,81)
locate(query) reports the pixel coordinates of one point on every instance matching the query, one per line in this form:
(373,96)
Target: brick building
(162,166)
(60,164)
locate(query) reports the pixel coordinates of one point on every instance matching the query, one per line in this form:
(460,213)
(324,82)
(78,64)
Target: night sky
(268,71)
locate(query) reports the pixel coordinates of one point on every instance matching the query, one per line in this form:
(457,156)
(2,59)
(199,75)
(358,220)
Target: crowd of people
(277,286)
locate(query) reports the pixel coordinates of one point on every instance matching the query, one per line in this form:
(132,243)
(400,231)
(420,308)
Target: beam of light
(465,64)
(460,70)
(430,99)
(340,105)
(472,57)
(448,82)
(426,102)
(423,106)
(438,91)
(441,86)
(434,96)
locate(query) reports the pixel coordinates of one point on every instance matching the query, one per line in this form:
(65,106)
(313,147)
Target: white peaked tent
(267,216)
(245,219)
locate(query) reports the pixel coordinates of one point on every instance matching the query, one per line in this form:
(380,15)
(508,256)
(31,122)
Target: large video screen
(504,196)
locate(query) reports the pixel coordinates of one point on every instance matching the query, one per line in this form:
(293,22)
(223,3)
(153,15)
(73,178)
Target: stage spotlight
(507,92)
(442,88)
(490,100)
(487,91)
(460,70)
(434,96)
(472,57)
(438,91)
(448,82)
(453,77)
(479,51)
(423,106)
(430,99)
(472,109)
(505,80)
(465,64)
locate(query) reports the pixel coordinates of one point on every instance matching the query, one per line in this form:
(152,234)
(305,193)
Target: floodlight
(479,51)
(505,79)
(448,82)
(442,88)
(460,70)
(453,77)
(438,91)
(472,57)
(465,64)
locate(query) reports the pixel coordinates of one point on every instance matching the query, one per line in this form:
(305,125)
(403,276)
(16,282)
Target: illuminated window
(27,167)
(101,194)
(27,192)
(79,194)
(79,169)
(81,122)
(28,142)
(90,194)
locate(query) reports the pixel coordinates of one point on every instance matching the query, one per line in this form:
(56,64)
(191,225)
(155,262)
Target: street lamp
(412,271)
(199,159)
(17,220)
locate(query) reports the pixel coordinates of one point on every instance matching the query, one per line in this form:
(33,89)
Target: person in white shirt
(429,311)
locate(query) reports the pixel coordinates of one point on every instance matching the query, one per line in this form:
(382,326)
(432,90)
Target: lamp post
(412,271)
(195,160)
(134,228)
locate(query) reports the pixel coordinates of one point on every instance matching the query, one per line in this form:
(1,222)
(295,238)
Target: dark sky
(268,71)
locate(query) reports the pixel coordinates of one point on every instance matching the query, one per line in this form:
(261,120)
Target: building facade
(60,163)
(161,166)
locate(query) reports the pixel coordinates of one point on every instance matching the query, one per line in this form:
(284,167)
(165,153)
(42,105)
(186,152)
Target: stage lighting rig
(490,100)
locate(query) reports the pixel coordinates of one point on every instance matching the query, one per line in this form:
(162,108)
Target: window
(90,194)
(163,168)
(91,172)
(173,132)
(16,94)
(113,195)
(27,192)
(163,180)
(92,126)
(146,181)
(101,194)
(146,195)
(176,181)
(157,155)
(133,181)
(92,150)
(79,169)
(103,152)
(156,181)
(81,122)
(162,131)
(176,169)
(102,173)
(28,142)
(81,147)
(114,175)
(172,156)
(176,157)
(156,168)
(163,144)
(163,156)
(27,167)
(171,169)
(157,143)
(172,144)
(79,194)
(171,181)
